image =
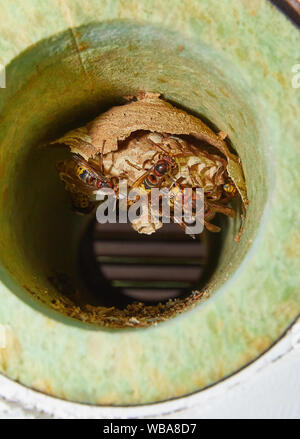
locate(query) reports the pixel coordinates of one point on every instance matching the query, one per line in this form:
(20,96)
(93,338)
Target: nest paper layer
(107,136)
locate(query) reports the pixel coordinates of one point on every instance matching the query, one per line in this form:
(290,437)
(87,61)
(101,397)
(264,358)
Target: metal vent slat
(149,249)
(139,267)
(148,273)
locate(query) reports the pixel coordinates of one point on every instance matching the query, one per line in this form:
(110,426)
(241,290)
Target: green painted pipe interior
(220,61)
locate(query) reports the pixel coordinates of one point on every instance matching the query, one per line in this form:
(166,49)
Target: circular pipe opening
(54,87)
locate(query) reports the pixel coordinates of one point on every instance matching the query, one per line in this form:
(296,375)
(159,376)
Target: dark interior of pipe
(120,266)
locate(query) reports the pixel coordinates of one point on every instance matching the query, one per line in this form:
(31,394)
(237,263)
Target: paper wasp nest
(126,142)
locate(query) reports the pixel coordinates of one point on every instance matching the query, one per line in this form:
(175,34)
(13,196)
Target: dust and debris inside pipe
(64,260)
